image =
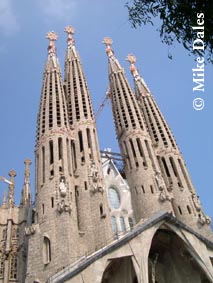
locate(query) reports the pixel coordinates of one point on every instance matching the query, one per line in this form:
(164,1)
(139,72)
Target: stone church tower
(186,204)
(148,189)
(71,215)
(90,195)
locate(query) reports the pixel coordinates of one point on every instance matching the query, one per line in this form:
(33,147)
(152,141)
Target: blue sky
(23,51)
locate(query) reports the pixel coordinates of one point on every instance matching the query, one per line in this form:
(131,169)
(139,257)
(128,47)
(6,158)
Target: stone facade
(90,221)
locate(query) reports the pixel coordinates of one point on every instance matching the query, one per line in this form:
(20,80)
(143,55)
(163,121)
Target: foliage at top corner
(177,17)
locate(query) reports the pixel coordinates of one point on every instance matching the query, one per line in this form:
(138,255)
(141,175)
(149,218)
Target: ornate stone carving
(159,180)
(204,219)
(62,206)
(163,196)
(62,196)
(196,202)
(52,36)
(62,188)
(30,230)
(94,179)
(70,31)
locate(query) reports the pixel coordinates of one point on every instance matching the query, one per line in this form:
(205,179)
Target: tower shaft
(53,234)
(141,167)
(90,195)
(186,204)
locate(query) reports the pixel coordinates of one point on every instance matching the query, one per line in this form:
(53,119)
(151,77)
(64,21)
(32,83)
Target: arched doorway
(120,270)
(170,261)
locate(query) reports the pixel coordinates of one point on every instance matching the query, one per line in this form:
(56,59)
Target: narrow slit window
(101,209)
(165,167)
(43,164)
(189,209)
(143,190)
(80,141)
(85,185)
(174,168)
(88,138)
(180,210)
(132,147)
(73,153)
(77,207)
(52,202)
(60,150)
(51,152)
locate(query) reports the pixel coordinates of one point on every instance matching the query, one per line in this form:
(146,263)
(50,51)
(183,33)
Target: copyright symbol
(198,103)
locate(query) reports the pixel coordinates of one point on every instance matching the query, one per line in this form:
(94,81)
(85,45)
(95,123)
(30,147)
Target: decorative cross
(108,42)
(132,59)
(70,31)
(52,36)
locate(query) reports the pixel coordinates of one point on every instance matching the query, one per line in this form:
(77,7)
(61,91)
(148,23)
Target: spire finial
(27,163)
(70,31)
(52,36)
(108,42)
(132,59)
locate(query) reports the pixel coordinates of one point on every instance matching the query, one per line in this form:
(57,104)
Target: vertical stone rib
(141,166)
(170,159)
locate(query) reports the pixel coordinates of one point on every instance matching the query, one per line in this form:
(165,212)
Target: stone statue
(62,188)
(196,202)
(159,180)
(94,179)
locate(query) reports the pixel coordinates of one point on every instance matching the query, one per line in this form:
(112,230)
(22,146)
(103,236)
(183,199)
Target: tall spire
(77,92)
(55,209)
(53,112)
(186,202)
(90,195)
(26,193)
(148,190)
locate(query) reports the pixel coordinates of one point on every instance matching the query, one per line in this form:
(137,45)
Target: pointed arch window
(114,198)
